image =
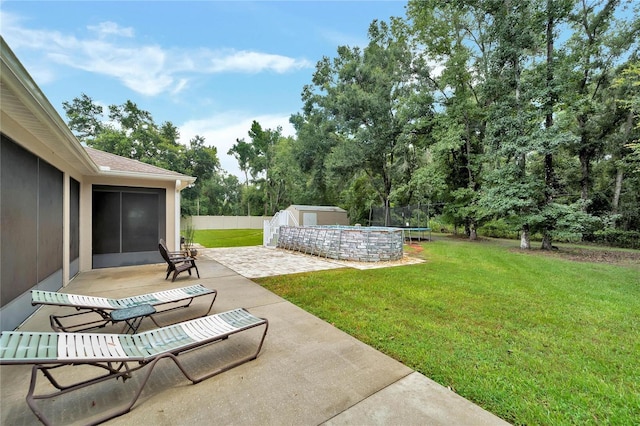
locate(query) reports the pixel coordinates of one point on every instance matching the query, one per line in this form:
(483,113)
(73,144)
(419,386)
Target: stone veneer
(353,243)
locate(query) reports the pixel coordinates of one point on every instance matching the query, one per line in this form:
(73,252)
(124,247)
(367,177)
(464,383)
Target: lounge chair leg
(57,324)
(122,366)
(112,372)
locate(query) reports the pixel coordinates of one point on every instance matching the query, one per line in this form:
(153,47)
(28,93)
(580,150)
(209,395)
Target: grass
(533,339)
(213,238)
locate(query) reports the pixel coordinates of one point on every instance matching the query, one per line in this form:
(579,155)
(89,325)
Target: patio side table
(132,316)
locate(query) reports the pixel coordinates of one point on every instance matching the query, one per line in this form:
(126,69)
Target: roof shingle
(111,162)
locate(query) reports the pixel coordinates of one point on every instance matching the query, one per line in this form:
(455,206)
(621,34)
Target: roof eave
(18,80)
(181,181)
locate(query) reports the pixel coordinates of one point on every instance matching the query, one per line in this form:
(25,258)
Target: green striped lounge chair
(120,355)
(88,307)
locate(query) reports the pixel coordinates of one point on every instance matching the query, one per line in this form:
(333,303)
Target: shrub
(615,238)
(498,229)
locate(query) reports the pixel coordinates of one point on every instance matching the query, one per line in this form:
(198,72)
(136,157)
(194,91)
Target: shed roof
(317,208)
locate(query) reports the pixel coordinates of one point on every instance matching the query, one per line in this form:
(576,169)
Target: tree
(598,43)
(362,96)
(170,152)
(243,152)
(221,195)
(85,117)
(509,189)
(316,137)
(629,79)
(457,38)
(287,179)
(258,158)
(132,133)
(264,143)
(201,161)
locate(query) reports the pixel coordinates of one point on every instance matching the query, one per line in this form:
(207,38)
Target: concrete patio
(308,372)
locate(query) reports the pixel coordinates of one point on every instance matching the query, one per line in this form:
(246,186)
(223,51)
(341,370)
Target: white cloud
(140,69)
(253,62)
(148,69)
(222,130)
(108,28)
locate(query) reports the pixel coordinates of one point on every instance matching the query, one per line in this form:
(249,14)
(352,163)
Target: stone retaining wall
(344,243)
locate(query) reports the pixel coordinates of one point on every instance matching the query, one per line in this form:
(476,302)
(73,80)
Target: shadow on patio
(308,372)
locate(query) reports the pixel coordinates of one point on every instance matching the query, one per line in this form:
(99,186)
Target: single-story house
(66,208)
(318,215)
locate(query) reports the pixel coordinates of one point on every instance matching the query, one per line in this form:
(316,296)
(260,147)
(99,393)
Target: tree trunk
(246,183)
(473,232)
(615,203)
(549,178)
(525,238)
(387,193)
(546,240)
(387,212)
(585,166)
(616,192)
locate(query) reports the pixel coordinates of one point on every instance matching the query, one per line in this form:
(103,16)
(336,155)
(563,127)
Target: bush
(437,225)
(615,238)
(498,229)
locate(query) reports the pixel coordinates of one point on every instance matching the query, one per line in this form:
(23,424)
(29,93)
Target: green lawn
(213,238)
(533,339)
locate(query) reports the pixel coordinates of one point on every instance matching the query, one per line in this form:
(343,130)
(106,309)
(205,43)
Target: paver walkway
(259,261)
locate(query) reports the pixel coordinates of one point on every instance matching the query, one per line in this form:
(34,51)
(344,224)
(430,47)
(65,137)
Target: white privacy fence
(225,222)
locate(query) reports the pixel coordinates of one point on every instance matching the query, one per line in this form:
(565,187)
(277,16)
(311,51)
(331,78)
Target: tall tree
(132,133)
(598,43)
(316,137)
(510,191)
(457,38)
(257,157)
(629,99)
(243,152)
(200,161)
(84,117)
(221,195)
(363,94)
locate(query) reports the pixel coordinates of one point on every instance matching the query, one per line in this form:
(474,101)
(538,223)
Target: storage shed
(318,215)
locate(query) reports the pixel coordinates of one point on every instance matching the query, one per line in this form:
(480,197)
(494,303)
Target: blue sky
(209,67)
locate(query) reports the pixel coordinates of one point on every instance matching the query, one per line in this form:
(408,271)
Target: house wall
(171,212)
(26,140)
(46,230)
(36,227)
(47,181)
(67,233)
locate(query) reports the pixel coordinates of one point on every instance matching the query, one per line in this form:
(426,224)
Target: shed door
(309,219)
